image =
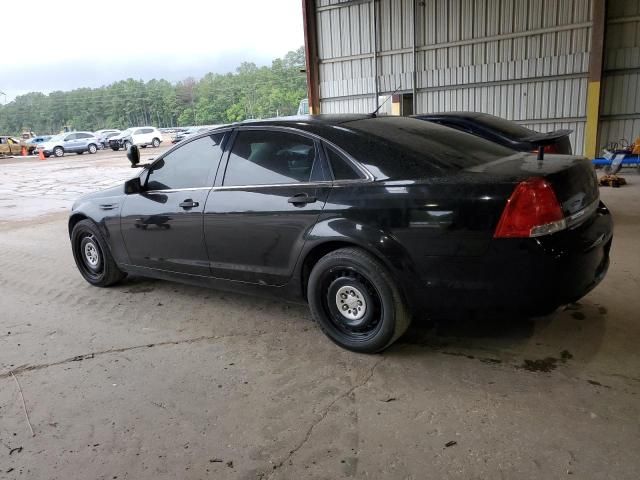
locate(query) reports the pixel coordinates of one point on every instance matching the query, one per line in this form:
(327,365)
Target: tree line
(249,92)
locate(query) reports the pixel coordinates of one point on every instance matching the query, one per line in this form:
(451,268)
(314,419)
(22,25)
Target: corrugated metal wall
(620,107)
(525,60)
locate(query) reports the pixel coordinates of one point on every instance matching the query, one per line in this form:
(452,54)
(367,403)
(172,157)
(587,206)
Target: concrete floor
(151,379)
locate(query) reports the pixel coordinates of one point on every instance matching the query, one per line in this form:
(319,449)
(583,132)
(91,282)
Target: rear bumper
(525,275)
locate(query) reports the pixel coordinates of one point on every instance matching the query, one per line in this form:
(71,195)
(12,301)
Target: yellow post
(598,24)
(593,119)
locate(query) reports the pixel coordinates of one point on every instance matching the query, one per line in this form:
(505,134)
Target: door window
(340,166)
(147,130)
(269,157)
(189,166)
(73,136)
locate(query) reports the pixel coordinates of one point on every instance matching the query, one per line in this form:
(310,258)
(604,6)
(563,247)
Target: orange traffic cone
(41,155)
(23,151)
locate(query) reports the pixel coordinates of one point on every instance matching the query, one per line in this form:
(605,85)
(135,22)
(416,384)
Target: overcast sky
(89,43)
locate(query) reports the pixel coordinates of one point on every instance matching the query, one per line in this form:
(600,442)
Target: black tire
(58,152)
(115,149)
(92,148)
(79,153)
(92,255)
(356,277)
(155,142)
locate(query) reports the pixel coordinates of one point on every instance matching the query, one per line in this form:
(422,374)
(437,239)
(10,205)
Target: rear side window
(341,168)
(269,157)
(147,130)
(188,166)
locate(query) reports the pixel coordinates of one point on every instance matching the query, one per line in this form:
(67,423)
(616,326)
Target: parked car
(502,131)
(180,136)
(371,220)
(10,145)
(71,142)
(35,142)
(104,136)
(140,136)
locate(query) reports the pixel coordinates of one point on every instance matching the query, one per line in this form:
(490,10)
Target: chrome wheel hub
(351,303)
(91,254)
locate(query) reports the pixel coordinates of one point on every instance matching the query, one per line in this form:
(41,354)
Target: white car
(140,136)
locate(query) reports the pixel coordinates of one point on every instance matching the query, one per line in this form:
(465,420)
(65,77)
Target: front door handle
(301,199)
(188,203)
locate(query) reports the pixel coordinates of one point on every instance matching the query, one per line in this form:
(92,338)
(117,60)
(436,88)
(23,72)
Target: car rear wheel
(79,153)
(58,151)
(92,256)
(356,302)
(93,148)
(155,143)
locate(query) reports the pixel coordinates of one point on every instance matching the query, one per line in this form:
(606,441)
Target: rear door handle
(301,199)
(188,203)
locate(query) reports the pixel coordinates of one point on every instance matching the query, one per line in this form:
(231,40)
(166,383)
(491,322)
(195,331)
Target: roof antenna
(373,114)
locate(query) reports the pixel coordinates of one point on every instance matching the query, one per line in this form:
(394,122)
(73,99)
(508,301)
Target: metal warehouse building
(547,64)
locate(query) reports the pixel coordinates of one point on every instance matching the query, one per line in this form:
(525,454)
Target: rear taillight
(531,211)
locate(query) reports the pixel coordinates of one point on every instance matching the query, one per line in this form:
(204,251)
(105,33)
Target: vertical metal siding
(525,60)
(620,106)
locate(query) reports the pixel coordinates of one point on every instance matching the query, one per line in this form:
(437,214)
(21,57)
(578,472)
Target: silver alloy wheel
(91,254)
(351,303)
(156,143)
(93,148)
(58,151)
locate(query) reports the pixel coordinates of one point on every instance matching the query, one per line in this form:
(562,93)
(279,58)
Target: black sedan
(371,220)
(502,131)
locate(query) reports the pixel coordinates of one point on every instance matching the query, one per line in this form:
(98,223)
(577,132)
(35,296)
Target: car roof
(322,119)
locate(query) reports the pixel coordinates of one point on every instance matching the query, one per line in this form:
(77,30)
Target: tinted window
(73,136)
(506,127)
(406,147)
(268,157)
(137,132)
(147,130)
(341,168)
(84,135)
(188,166)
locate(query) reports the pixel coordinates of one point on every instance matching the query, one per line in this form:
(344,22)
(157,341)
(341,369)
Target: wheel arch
(74,219)
(379,244)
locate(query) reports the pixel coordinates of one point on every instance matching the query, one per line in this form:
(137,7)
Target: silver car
(70,142)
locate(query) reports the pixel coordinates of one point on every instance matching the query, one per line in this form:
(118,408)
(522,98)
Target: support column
(311,55)
(596,57)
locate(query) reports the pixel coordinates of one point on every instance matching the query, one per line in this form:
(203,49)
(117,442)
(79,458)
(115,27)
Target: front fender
(105,213)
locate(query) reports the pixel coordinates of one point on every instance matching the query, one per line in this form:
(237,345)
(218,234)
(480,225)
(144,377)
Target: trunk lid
(573,178)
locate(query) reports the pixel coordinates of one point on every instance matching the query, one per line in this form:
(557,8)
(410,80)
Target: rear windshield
(506,127)
(400,146)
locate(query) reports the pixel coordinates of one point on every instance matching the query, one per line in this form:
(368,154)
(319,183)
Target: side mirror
(133,154)
(132,186)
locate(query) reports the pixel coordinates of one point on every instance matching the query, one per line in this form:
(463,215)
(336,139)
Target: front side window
(137,132)
(269,158)
(147,130)
(188,166)
(70,137)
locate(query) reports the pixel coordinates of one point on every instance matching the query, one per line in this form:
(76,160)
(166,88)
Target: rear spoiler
(541,139)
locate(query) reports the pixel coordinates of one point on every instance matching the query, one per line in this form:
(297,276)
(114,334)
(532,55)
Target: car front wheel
(58,151)
(155,143)
(92,256)
(356,302)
